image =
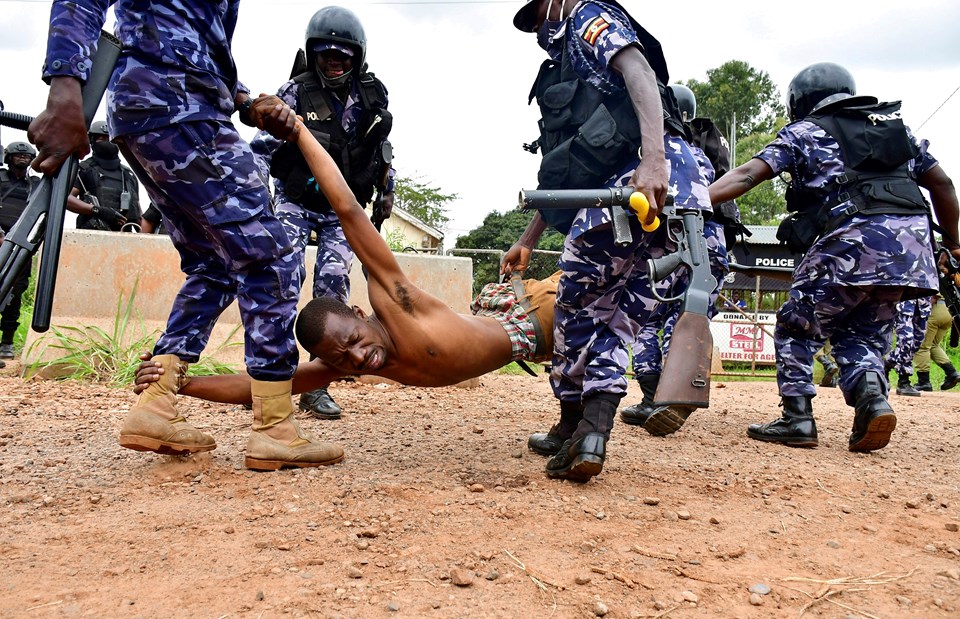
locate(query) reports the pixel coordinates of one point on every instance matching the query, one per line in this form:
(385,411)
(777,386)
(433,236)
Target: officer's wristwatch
(95,210)
(243,110)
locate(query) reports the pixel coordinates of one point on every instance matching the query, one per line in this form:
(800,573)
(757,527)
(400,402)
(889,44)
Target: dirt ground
(439,510)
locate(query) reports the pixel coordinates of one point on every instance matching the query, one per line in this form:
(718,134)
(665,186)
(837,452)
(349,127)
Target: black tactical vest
(107,185)
(13,197)
(586,135)
(876,151)
(356,157)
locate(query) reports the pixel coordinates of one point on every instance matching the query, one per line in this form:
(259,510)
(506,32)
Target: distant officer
(15,185)
(859,216)
(938,325)
(345,107)
(910,326)
(108,188)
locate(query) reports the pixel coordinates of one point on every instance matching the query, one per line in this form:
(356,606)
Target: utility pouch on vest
(799,230)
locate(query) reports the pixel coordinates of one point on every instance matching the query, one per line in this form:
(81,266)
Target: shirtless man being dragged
(411,337)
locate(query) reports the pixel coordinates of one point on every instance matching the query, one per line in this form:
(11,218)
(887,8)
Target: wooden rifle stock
(685,383)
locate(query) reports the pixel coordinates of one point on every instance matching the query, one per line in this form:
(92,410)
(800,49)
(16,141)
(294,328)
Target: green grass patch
(108,356)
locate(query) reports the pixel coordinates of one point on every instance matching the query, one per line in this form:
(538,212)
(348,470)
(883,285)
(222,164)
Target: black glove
(109,215)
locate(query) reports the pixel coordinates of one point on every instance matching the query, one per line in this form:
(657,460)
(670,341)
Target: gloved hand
(109,215)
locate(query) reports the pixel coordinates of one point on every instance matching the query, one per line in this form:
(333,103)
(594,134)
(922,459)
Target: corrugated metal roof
(762,235)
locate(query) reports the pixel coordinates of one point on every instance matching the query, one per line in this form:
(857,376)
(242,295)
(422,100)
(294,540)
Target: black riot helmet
(18,148)
(99,127)
(686,100)
(340,27)
(813,85)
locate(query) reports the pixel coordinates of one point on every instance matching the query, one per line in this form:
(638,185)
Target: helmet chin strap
(335,82)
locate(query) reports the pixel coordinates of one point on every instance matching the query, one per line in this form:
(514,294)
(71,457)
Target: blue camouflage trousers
(648,351)
(910,325)
(205,180)
(858,321)
(602,300)
(331,272)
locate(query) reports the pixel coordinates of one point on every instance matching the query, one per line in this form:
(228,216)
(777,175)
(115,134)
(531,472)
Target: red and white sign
(739,339)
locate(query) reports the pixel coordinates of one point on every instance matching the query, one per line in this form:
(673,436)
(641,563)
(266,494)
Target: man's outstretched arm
(235,388)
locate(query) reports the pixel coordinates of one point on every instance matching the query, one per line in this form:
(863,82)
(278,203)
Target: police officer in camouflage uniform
(910,325)
(604,71)
(713,155)
(171,97)
(105,186)
(16,182)
(345,107)
(854,169)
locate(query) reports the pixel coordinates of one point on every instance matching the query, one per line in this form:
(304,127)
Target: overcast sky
(458,73)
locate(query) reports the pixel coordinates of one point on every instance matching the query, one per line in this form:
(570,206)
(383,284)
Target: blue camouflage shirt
(887,250)
(176,66)
(593,34)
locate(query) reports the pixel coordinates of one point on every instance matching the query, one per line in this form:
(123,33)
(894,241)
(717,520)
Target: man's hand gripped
(272,114)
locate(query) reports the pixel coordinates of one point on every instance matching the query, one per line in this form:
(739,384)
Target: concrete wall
(97,268)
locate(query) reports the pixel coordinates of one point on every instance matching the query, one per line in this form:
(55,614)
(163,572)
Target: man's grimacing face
(352,345)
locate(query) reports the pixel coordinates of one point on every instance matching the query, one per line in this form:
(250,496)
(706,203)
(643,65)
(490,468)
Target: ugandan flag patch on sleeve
(593,30)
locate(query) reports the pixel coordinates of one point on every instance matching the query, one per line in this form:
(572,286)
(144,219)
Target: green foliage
(94,354)
(421,200)
(764,205)
(737,89)
(500,231)
(396,241)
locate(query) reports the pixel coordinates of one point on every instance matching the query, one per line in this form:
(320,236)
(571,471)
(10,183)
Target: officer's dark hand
(60,130)
(270,113)
(517,258)
(109,215)
(386,204)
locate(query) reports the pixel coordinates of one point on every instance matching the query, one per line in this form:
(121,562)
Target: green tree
(417,197)
(500,231)
(764,205)
(735,89)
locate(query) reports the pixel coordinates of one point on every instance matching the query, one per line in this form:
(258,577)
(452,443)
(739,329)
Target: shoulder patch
(593,30)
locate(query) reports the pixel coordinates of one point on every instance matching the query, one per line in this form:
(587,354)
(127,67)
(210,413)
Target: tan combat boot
(154,424)
(277,440)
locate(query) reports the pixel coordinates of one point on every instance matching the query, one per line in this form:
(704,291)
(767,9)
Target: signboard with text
(739,339)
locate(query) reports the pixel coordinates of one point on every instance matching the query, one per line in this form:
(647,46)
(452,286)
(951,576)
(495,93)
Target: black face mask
(106,150)
(20,163)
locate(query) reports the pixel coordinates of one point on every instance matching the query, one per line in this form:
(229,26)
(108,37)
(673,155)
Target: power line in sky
(938,108)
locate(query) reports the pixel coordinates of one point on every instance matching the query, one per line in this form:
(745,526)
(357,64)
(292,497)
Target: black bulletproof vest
(876,151)
(587,135)
(354,156)
(13,197)
(107,185)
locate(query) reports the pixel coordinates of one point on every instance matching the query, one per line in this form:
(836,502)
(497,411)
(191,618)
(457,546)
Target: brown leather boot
(276,439)
(154,424)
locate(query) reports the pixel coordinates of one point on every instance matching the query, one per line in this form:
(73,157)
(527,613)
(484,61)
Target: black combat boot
(581,456)
(923,382)
(319,404)
(549,443)
(953,377)
(830,373)
(875,420)
(904,387)
(796,426)
(638,414)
